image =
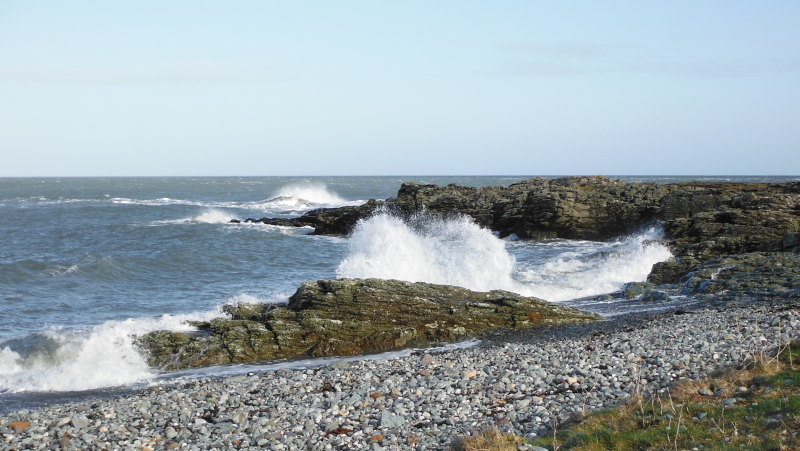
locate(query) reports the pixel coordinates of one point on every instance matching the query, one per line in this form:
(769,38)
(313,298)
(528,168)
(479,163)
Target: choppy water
(87,262)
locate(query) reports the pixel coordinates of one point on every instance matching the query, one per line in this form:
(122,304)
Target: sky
(399,88)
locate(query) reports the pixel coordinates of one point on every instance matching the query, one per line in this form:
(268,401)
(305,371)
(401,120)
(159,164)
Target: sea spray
(316,193)
(214,216)
(456,251)
(104,356)
(300,197)
(426,248)
(588,268)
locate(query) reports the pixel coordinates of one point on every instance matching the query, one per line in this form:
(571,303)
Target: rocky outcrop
(754,276)
(702,221)
(740,278)
(325,221)
(351,316)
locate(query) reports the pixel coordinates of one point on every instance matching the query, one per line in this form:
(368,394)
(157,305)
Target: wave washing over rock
(103,356)
(713,229)
(456,251)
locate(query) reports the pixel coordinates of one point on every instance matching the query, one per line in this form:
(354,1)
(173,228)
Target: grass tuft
(755,406)
(490,440)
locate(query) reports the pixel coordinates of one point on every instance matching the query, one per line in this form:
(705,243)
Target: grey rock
(391,420)
(79,421)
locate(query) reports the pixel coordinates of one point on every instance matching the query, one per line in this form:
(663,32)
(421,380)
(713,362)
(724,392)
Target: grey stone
(79,421)
(391,420)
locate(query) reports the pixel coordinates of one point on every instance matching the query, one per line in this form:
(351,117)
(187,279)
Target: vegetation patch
(752,407)
(755,406)
(490,440)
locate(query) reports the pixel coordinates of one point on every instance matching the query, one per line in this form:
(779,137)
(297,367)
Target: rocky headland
(732,242)
(701,220)
(736,250)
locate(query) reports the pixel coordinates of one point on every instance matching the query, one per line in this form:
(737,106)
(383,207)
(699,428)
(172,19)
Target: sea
(88,264)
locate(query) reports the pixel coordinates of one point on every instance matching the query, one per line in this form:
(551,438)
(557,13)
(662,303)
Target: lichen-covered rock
(634,290)
(756,276)
(352,316)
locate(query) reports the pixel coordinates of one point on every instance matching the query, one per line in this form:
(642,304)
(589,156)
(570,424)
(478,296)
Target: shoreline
(522,381)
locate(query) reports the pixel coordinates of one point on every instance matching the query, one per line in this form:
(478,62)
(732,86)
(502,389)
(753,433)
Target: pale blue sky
(380,88)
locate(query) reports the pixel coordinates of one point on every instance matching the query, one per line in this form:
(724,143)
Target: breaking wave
(429,249)
(456,251)
(103,356)
(304,196)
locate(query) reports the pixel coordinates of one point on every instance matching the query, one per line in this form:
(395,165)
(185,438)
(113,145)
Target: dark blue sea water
(85,263)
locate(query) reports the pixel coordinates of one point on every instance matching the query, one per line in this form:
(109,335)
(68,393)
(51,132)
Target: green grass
(767,419)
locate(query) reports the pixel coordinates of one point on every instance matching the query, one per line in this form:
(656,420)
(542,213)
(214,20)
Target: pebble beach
(523,384)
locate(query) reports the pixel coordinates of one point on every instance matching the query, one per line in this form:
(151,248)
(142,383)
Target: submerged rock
(351,316)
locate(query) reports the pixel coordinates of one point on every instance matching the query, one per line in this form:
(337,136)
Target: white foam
(429,249)
(213,216)
(597,269)
(300,197)
(60,270)
(316,193)
(458,252)
(159,202)
(9,362)
(104,356)
(210,216)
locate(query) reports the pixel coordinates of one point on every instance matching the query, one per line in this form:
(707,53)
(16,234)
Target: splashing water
(589,268)
(213,216)
(428,249)
(71,360)
(456,251)
(105,356)
(315,193)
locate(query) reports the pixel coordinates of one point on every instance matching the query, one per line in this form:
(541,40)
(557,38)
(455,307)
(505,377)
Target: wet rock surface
(526,386)
(701,220)
(744,278)
(348,317)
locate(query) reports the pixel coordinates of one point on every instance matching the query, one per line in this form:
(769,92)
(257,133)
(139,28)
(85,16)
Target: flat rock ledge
(348,317)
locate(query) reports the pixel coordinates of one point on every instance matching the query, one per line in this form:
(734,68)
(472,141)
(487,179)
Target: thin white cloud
(179,72)
(719,69)
(567,50)
(546,69)
(583,58)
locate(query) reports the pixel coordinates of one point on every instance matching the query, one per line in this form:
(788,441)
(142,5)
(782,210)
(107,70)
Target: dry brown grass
(766,418)
(728,379)
(490,440)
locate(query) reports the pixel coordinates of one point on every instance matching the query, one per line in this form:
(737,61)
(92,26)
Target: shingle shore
(413,402)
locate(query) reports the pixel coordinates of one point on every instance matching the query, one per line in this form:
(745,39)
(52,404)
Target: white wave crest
(299,197)
(315,193)
(213,216)
(429,249)
(159,202)
(458,252)
(105,356)
(210,216)
(596,268)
